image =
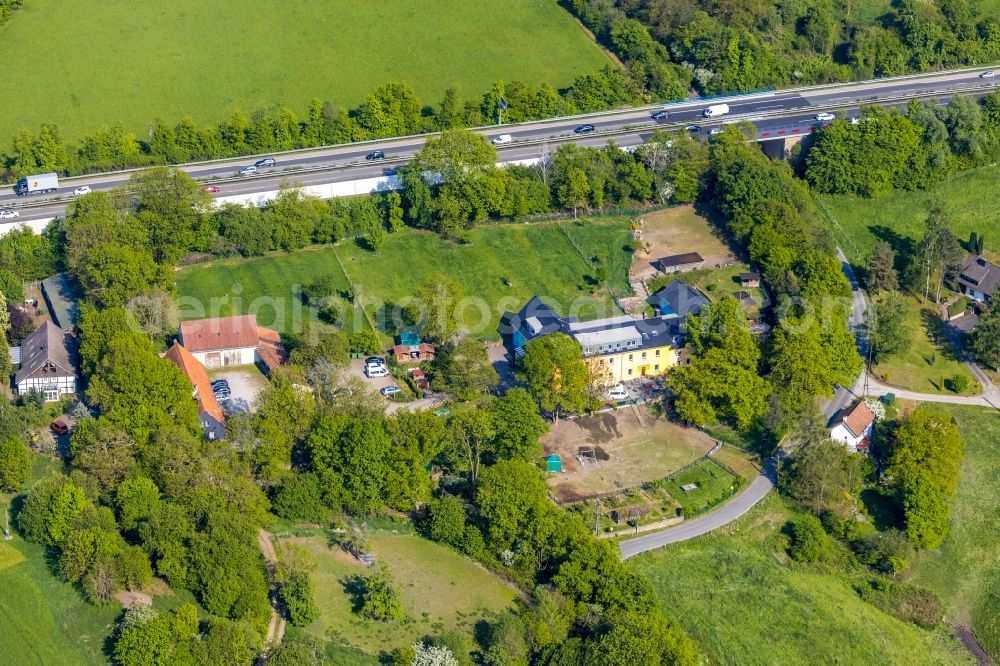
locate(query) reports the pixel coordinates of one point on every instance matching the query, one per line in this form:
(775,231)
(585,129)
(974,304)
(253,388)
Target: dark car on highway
(375,155)
(584,129)
(661,115)
(266,162)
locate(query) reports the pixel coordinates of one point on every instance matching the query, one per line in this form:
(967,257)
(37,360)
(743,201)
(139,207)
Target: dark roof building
(532,321)
(678,300)
(750,279)
(979,278)
(45,364)
(679,262)
(62,298)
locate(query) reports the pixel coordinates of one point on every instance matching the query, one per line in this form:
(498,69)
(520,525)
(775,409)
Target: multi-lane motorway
(775,114)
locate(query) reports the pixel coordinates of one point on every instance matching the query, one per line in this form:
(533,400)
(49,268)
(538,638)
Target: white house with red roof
(231,341)
(854,427)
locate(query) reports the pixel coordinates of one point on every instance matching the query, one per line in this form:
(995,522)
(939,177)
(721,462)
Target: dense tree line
(727,47)
(886,150)
(769,213)
(391,110)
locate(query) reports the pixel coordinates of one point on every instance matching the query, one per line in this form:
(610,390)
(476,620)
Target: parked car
(375,370)
(661,115)
(375,155)
(213,188)
(222,396)
(220,383)
(83,189)
(8,214)
(389,391)
(59,427)
(266,162)
(825,117)
(715,131)
(374,360)
(248,170)
(618,392)
(989,74)
(584,129)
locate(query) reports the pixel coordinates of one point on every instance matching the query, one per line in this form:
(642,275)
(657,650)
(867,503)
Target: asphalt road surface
(776,115)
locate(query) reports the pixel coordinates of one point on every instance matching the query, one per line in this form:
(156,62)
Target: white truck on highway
(716,110)
(40,184)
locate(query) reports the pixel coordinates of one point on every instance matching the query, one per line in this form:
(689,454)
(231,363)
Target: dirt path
(276,628)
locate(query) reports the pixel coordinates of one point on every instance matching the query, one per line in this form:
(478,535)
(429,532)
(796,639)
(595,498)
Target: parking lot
(245,383)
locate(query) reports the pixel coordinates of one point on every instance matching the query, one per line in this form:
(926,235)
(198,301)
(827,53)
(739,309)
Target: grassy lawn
(966,567)
(44,620)
(629,451)
(735,592)
(103,62)
(713,482)
(925,365)
(858,224)
(440,589)
(676,231)
(501,267)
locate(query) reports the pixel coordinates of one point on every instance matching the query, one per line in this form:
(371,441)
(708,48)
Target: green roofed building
(62,298)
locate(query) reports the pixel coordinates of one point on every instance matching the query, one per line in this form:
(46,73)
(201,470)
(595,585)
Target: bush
(902,600)
(379,599)
(446,520)
(959,383)
(320,288)
(888,552)
(808,541)
(297,595)
(986,622)
(15,463)
(300,498)
(366,342)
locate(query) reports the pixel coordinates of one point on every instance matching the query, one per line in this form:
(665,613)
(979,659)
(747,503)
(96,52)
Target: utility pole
(501,107)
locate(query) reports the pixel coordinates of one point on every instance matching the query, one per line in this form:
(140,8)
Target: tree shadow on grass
(937,331)
(883,508)
(903,246)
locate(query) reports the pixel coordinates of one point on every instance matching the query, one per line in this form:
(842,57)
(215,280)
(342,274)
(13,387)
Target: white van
(716,110)
(618,392)
(373,370)
(502,139)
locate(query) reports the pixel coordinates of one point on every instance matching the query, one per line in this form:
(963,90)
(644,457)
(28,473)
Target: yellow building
(616,349)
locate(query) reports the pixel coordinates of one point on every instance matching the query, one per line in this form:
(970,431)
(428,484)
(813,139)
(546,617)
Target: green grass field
(928,363)
(899,218)
(87,64)
(714,483)
(965,568)
(745,604)
(42,619)
(440,590)
(501,267)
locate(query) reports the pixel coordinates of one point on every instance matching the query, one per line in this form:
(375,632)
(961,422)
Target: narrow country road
(736,507)
(842,396)
(276,628)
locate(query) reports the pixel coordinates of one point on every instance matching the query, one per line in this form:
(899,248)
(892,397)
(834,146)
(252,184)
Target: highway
(776,115)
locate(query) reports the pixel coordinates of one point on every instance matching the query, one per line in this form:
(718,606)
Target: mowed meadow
(500,267)
(87,64)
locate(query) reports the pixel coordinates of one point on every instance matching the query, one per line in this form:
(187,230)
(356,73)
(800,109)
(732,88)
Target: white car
(825,117)
(8,214)
(502,139)
(373,371)
(988,75)
(83,189)
(389,391)
(618,393)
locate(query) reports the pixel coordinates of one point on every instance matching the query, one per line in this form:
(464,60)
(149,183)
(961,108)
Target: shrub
(300,498)
(365,342)
(446,520)
(320,288)
(959,383)
(902,600)
(808,541)
(15,463)
(379,599)
(297,595)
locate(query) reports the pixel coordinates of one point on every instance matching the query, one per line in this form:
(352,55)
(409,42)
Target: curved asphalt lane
(776,115)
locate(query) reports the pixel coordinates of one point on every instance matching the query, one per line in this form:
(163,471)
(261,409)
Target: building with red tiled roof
(213,421)
(231,341)
(854,427)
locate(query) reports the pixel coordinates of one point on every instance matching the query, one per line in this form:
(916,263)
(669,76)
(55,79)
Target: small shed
(676,263)
(553,463)
(750,279)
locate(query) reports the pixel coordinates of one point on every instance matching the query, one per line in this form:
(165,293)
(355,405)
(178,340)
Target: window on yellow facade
(656,367)
(643,355)
(657,353)
(630,371)
(630,357)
